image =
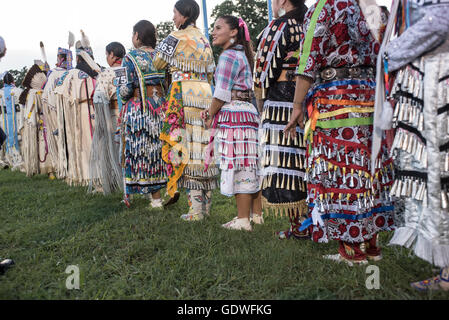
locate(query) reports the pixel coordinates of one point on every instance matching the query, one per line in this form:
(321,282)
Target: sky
(103,21)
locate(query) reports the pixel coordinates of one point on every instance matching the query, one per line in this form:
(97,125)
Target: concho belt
(330,73)
(240,95)
(188,76)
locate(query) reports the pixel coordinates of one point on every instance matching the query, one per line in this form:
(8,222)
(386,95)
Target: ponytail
(243,37)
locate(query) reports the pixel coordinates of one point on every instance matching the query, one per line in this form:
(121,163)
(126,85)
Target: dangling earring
(281,12)
(232,41)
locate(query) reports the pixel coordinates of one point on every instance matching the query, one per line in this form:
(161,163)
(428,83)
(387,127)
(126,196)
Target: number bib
(121,77)
(168,46)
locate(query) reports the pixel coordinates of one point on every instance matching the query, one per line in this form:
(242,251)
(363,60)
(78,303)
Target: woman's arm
(208,115)
(303,85)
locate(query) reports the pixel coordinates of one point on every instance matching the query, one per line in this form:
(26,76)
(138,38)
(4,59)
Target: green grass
(139,253)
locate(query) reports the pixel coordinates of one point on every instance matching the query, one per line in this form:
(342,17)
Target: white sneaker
(238,224)
(257,218)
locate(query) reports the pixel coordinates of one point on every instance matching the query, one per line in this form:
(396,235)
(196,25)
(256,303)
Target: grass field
(139,253)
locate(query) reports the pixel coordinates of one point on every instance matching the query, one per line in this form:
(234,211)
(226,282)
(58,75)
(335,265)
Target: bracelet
(297,103)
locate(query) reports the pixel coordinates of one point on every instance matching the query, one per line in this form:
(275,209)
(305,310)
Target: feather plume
(84,40)
(71,39)
(94,66)
(44,55)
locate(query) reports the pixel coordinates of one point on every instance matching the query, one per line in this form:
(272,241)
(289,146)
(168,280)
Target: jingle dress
(143,169)
(189,57)
(284,189)
(237,125)
(346,202)
(420,97)
(11,123)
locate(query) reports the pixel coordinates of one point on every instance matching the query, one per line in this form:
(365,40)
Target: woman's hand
(204,114)
(297,119)
(208,123)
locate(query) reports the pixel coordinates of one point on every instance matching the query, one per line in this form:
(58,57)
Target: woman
(189,57)
(105,169)
(346,202)
(420,58)
(11,123)
(144,172)
(284,190)
(49,103)
(237,120)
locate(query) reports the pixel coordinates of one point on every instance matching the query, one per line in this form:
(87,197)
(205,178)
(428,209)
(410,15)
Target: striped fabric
(233,73)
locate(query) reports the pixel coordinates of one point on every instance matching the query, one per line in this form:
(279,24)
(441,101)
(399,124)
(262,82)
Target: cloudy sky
(24,23)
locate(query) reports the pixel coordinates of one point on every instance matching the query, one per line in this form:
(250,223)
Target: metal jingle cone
(421,191)
(447,123)
(359,178)
(318,168)
(398,189)
(344,176)
(446,162)
(338,156)
(404,187)
(411,144)
(424,157)
(425,198)
(367,183)
(324,166)
(334,176)
(359,203)
(401,110)
(405,141)
(351,181)
(340,205)
(415,187)
(421,122)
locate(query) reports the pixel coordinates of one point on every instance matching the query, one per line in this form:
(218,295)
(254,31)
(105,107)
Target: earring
(281,12)
(232,41)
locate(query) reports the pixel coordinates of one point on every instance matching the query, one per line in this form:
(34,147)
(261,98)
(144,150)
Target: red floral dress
(345,201)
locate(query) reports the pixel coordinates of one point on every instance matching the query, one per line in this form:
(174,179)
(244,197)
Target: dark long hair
(189,9)
(299,12)
(8,79)
(83,66)
(147,33)
(233,23)
(117,49)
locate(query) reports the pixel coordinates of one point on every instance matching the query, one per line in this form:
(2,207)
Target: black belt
(329,74)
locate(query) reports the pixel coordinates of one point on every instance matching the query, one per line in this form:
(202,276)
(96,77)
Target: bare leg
(156,195)
(256,204)
(244,202)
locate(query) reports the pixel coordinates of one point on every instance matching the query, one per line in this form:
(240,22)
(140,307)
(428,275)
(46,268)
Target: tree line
(254,12)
